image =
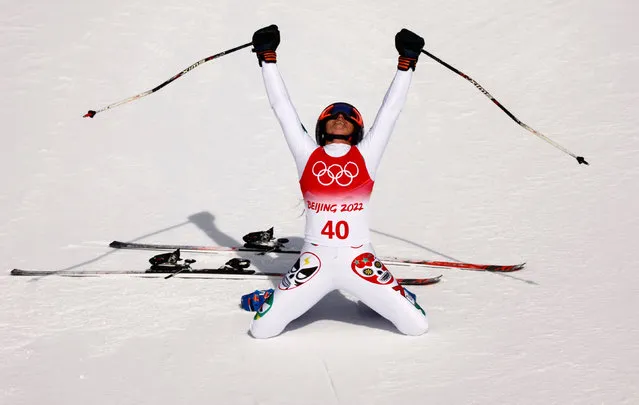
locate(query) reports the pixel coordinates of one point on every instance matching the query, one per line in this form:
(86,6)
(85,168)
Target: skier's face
(339,126)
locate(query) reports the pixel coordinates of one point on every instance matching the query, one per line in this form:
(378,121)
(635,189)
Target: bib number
(339,230)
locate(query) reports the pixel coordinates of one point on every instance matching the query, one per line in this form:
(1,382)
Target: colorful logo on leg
(305,268)
(368,267)
(410,297)
(266,306)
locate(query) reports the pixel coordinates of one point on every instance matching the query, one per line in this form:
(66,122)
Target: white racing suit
(336,182)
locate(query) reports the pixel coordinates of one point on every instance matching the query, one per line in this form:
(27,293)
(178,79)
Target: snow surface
(203,161)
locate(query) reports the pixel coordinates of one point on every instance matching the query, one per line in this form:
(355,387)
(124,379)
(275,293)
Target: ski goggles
(350,112)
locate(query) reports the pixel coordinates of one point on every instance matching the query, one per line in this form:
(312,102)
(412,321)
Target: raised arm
(265,42)
(409,46)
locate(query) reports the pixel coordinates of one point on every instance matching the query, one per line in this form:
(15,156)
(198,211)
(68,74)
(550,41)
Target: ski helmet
(332,111)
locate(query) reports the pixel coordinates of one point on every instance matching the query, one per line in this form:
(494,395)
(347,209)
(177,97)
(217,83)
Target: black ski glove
(409,45)
(265,42)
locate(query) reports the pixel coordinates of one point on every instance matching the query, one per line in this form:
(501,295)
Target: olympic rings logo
(335,173)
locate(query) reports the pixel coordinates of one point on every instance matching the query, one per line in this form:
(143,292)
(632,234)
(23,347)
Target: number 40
(340,230)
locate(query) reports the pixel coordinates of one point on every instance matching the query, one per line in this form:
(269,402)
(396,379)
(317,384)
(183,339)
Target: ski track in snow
(203,161)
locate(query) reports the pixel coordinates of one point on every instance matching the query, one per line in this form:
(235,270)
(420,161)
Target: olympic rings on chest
(335,173)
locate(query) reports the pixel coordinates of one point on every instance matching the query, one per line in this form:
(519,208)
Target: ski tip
(90,114)
(115,244)
(507,269)
(420,281)
(435,279)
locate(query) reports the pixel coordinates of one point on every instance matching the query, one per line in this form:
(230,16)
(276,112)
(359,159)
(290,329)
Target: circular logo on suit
(306,266)
(368,267)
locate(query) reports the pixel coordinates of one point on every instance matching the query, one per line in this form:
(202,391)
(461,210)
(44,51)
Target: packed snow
(203,161)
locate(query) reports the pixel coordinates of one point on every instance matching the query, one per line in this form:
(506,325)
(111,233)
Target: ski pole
(580,159)
(92,113)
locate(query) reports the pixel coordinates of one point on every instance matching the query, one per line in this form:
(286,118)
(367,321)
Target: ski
(170,264)
(236,275)
(116,244)
(278,248)
(464,266)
